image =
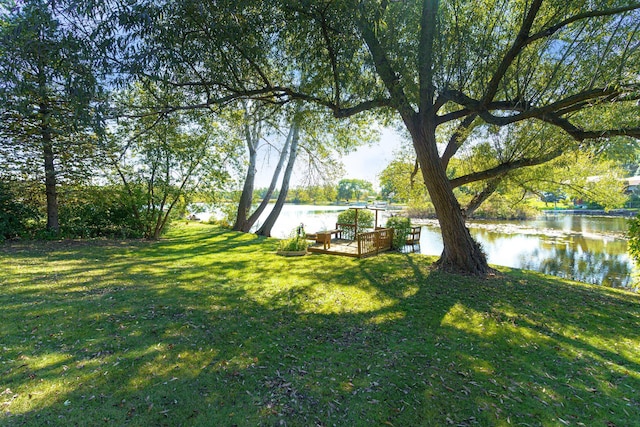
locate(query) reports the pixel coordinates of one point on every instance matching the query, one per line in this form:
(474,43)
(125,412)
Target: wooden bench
(324,237)
(413,238)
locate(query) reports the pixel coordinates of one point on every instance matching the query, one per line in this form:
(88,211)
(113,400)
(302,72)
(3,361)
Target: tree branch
(503,168)
(518,44)
(428,24)
(332,56)
(593,14)
(390,78)
(456,140)
(479,198)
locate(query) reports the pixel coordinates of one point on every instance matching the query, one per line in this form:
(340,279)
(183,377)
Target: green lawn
(211,328)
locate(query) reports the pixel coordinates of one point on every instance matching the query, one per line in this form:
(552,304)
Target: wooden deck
(338,247)
(365,244)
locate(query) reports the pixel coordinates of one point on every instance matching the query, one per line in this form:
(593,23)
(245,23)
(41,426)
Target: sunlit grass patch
(209,327)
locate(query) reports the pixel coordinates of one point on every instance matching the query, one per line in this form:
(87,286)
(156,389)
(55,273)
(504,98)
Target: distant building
(633,185)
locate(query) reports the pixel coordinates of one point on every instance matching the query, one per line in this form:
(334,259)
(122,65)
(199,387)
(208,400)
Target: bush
(100,211)
(296,242)
(17,217)
(633,247)
(401,229)
(365,221)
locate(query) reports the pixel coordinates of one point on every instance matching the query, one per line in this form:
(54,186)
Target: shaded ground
(213,328)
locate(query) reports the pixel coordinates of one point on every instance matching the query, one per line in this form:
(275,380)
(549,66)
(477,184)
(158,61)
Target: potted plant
(296,245)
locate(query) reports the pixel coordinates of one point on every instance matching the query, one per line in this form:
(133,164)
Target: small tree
(162,160)
(17,216)
(365,221)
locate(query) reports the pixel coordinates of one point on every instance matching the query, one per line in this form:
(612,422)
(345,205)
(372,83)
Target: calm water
(585,248)
(588,249)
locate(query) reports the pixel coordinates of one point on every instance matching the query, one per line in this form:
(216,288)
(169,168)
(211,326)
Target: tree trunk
(274,180)
(461,254)
(244,206)
(246,198)
(265,229)
(49,171)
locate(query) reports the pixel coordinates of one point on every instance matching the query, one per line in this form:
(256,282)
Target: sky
(365,163)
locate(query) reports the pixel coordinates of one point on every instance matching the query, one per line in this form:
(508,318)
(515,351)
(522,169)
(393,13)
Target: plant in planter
(297,244)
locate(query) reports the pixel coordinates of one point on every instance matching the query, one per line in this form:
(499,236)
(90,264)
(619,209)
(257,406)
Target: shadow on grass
(211,328)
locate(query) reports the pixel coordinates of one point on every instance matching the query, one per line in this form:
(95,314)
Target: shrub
(401,229)
(100,211)
(296,242)
(16,216)
(365,221)
(633,247)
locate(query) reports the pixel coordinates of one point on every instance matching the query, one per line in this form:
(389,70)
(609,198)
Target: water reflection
(558,248)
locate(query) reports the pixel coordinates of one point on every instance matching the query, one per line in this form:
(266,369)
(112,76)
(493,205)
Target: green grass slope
(208,327)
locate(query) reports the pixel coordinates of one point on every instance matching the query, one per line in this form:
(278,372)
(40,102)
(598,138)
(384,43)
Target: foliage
(49,110)
(17,215)
(141,333)
(297,241)
(401,229)
(365,217)
(315,194)
(420,209)
(365,221)
(350,189)
(166,159)
(503,207)
(395,181)
(101,211)
(633,245)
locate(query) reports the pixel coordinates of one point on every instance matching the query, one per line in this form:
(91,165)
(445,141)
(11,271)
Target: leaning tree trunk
(274,181)
(244,206)
(265,229)
(461,254)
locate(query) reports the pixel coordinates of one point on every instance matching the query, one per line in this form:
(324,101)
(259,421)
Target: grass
(208,327)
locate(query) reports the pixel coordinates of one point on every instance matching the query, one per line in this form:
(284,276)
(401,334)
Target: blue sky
(365,163)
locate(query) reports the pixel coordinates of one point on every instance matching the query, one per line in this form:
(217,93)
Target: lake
(591,249)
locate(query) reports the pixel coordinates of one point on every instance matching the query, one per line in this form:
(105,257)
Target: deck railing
(372,242)
(348,231)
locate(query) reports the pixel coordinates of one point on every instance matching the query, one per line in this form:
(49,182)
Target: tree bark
(244,206)
(461,254)
(252,137)
(265,229)
(50,181)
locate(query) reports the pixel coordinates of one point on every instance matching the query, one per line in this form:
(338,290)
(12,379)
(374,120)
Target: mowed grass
(212,328)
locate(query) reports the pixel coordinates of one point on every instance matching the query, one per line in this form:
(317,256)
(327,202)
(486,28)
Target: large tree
(47,98)
(449,68)
(445,69)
